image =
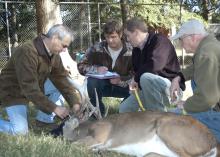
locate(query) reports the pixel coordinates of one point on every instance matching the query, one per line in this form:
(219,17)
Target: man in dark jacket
(22,79)
(112,54)
(155,64)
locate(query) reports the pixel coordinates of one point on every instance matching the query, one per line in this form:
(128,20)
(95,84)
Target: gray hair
(136,23)
(60,30)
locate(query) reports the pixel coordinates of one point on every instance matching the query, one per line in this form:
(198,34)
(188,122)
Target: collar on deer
(67,118)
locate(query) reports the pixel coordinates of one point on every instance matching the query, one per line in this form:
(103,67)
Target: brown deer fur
(183,135)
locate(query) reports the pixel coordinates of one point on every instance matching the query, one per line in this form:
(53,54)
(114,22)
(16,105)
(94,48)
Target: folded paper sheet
(107,75)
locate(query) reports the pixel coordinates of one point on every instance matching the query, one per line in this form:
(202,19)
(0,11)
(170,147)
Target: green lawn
(39,144)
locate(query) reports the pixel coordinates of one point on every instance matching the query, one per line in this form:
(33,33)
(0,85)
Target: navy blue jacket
(158,57)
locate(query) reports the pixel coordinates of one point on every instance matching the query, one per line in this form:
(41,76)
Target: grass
(39,144)
(42,145)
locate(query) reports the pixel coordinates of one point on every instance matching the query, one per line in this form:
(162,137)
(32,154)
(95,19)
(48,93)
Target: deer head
(69,127)
(86,108)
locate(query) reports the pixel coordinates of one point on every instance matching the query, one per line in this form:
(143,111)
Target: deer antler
(97,112)
(87,107)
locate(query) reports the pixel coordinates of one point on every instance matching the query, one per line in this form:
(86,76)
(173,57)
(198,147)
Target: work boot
(41,124)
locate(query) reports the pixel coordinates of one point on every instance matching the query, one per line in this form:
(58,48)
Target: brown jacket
(22,79)
(98,55)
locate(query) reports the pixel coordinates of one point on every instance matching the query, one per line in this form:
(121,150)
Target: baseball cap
(190,27)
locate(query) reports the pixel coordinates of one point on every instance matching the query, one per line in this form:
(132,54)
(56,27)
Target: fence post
(89,22)
(8,33)
(99,22)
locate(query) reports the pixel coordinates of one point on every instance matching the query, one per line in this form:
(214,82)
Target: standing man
(112,54)
(155,64)
(23,77)
(205,71)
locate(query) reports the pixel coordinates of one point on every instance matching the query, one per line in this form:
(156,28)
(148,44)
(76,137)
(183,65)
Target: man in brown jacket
(22,79)
(112,54)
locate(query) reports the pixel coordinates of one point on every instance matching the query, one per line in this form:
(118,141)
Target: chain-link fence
(18,23)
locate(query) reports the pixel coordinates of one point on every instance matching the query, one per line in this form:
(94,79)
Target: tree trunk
(14,35)
(205,11)
(124,10)
(48,14)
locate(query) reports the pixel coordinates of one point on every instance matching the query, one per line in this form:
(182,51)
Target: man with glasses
(205,71)
(45,119)
(23,77)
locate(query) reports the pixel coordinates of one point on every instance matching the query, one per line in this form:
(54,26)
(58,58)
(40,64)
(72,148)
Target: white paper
(106,75)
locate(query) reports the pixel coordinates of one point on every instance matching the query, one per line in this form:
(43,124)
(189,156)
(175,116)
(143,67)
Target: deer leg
(100,131)
(88,141)
(98,135)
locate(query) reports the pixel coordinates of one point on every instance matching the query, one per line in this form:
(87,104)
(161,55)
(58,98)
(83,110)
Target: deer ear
(71,124)
(74,123)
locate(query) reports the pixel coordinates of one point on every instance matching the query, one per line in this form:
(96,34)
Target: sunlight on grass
(39,144)
(112,103)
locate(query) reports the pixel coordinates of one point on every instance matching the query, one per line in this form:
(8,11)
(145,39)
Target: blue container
(79,56)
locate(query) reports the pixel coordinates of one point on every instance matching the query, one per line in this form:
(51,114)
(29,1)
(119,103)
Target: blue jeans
(55,96)
(104,89)
(193,85)
(17,114)
(153,94)
(209,118)
(17,120)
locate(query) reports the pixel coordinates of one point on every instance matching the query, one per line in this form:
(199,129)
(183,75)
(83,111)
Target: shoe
(41,124)
(217,107)
(57,131)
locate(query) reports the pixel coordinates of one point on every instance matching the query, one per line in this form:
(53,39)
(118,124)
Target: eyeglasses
(64,46)
(61,42)
(184,36)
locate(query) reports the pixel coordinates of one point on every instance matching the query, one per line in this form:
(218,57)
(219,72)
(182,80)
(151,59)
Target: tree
(124,10)
(208,9)
(48,14)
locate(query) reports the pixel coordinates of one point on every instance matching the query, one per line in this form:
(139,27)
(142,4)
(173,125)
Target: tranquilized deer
(148,133)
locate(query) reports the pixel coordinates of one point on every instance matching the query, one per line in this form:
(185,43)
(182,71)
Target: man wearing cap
(205,71)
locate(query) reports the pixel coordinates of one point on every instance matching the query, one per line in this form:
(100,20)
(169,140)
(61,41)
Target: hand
(102,69)
(61,112)
(133,85)
(180,104)
(77,111)
(76,108)
(115,81)
(174,88)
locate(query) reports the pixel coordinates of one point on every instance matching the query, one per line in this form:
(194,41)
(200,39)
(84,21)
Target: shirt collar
(48,51)
(143,42)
